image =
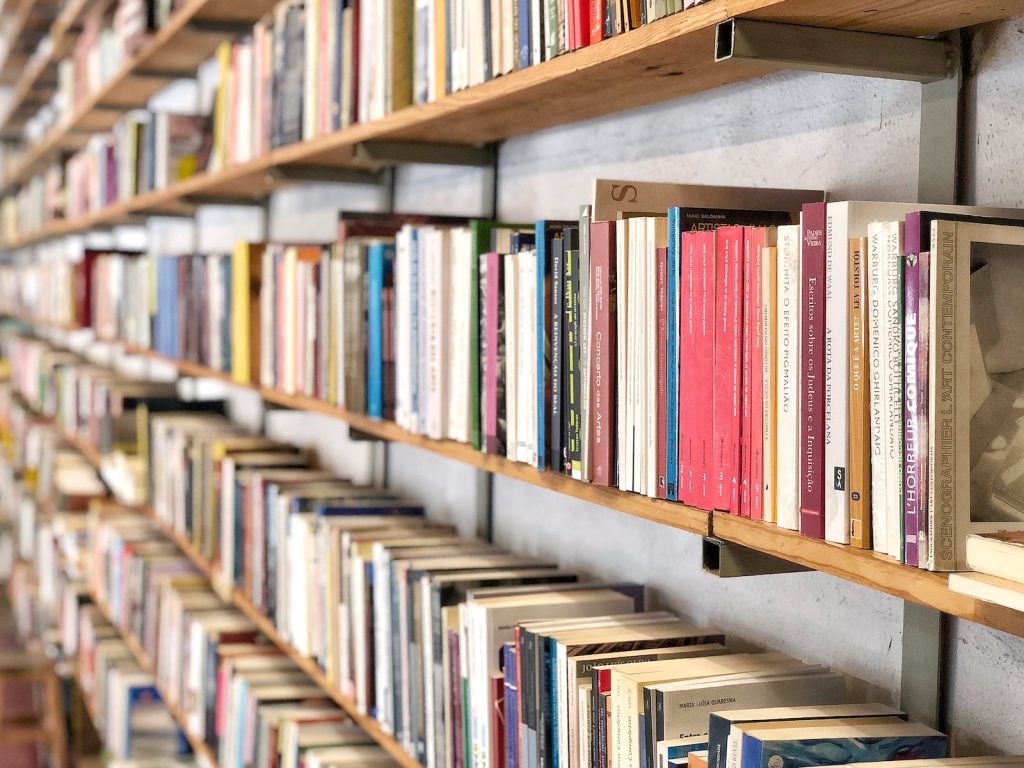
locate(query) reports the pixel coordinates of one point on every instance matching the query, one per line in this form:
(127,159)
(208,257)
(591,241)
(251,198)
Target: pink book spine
(662,340)
(491,288)
(812,337)
(704,350)
(757,404)
(745,384)
(726,394)
(603,351)
(279,322)
(689,321)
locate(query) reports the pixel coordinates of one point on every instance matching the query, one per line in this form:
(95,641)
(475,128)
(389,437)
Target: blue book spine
(375,332)
(643,739)
(511,706)
(718,738)
(672,359)
(524,33)
(542,260)
(751,752)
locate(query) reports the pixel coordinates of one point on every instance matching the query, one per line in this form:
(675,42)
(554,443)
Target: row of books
(715,355)
(211,661)
(145,151)
(306,70)
(111,33)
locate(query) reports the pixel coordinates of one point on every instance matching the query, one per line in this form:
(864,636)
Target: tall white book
(787,496)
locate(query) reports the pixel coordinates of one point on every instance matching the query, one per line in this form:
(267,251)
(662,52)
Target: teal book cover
(834,750)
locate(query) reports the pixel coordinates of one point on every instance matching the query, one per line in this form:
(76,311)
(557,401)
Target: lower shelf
(202,751)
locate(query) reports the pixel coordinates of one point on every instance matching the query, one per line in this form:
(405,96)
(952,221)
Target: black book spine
(602,731)
(557,352)
(543,695)
(529,688)
(575,374)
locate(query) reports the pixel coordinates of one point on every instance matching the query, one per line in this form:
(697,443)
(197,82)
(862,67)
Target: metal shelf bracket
(323,173)
(838,51)
(727,560)
(400,152)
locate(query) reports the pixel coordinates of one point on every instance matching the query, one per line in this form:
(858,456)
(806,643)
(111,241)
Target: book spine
(923,387)
(662,416)
(574,388)
(558,349)
(911,409)
(746,373)
(769,349)
(586,308)
(597,12)
(836,381)
(543,268)
(375,329)
(893,383)
(859,476)
(603,352)
(757,374)
(876,344)
(672,475)
(703,341)
(726,392)
(812,416)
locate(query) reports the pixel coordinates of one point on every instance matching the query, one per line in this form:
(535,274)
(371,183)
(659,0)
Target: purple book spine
(911,406)
(812,359)
(923,384)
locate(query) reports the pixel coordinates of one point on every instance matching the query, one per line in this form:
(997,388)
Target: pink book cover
(812,358)
(757,404)
(326,78)
(661,258)
(489,303)
(696,366)
(279,320)
(726,394)
(603,351)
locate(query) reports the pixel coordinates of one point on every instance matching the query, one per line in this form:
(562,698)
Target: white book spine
(876,347)
(769,352)
(625,469)
(650,363)
(787,497)
(403,389)
(382,638)
(893,383)
(526,431)
(837,417)
(511,355)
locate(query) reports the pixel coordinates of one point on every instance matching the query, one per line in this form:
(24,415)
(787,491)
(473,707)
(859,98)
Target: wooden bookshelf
(666,59)
(202,751)
(30,18)
(865,567)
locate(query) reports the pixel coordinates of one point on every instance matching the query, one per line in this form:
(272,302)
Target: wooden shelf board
(199,747)
(666,59)
(864,567)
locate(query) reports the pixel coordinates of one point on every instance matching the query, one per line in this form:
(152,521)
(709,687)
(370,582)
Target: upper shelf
(666,59)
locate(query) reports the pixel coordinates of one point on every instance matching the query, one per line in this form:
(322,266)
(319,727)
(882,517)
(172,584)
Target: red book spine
(757,404)
(603,351)
(812,358)
(581,18)
(726,395)
(596,21)
(662,341)
(697,364)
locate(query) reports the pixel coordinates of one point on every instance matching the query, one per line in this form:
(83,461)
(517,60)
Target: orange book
(860,402)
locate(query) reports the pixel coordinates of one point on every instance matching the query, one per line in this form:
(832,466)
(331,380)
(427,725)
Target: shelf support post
(923,668)
(938,175)
(400,152)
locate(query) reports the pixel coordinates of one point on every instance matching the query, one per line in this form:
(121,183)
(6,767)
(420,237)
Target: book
(859,464)
(812,373)
(996,554)
(804,746)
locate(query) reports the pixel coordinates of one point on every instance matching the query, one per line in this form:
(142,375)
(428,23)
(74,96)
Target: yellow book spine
(240,313)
